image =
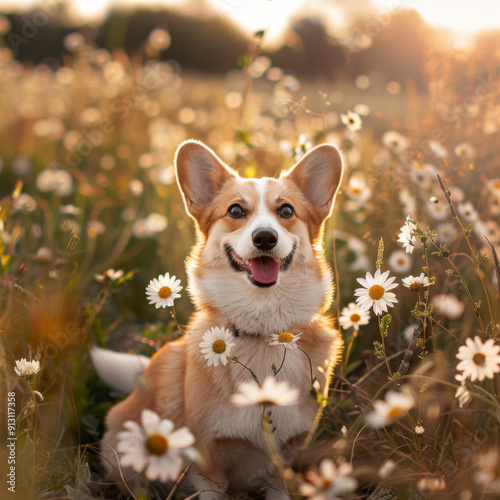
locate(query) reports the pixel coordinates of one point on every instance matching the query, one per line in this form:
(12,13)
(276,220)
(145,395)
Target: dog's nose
(265,239)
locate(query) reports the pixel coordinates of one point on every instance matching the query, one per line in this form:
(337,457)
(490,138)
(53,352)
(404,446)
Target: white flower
(437,149)
(57,180)
(329,481)
(394,141)
(70,210)
(216,346)
(386,469)
(448,305)
(357,189)
(352,315)
(27,369)
(478,360)
(303,146)
(465,150)
(162,291)
(285,339)
(396,405)
(351,120)
(154,447)
(407,235)
(110,274)
(415,283)
(468,212)
(271,393)
(419,430)
(376,292)
(399,261)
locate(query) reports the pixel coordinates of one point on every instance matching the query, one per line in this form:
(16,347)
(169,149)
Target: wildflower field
(90,213)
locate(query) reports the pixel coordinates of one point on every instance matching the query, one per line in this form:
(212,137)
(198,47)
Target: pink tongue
(264,270)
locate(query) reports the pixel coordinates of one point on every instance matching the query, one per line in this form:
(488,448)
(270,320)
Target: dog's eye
(235,211)
(285,211)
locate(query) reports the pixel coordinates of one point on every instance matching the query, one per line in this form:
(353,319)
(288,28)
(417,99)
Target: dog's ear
(200,174)
(318,176)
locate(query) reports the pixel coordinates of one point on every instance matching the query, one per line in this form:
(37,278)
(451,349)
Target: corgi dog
(258,268)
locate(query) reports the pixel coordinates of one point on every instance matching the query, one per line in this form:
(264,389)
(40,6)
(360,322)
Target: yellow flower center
(497,185)
(414,287)
(157,444)
(355,317)
(164,292)
(479,359)
(376,292)
(219,346)
(356,190)
(285,337)
(395,412)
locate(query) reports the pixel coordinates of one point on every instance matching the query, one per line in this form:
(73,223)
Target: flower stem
(236,360)
(282,362)
(310,364)
(383,345)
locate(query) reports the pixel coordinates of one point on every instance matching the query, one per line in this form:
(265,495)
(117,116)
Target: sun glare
(459,16)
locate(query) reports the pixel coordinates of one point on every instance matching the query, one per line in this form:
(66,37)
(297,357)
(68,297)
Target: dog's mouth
(261,271)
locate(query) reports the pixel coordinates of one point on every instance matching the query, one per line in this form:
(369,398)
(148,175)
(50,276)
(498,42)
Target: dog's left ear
(318,176)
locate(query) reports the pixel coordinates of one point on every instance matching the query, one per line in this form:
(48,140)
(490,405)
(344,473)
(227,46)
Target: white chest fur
(230,422)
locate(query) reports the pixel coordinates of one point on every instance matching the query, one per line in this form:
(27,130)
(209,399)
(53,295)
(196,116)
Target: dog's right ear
(200,175)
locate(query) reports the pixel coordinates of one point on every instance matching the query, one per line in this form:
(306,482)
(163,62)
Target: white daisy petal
(154,447)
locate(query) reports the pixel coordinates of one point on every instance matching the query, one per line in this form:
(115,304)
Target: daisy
(285,339)
(351,120)
(407,235)
(399,261)
(162,291)
(437,149)
(271,393)
(396,405)
(216,346)
(155,447)
(376,292)
(395,142)
(110,274)
(27,369)
(415,283)
(478,360)
(357,189)
(329,481)
(465,150)
(352,315)
(448,305)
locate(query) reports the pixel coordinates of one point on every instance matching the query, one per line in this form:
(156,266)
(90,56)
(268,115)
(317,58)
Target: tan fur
(179,385)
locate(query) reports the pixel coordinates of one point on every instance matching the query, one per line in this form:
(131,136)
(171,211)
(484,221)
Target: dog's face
(259,259)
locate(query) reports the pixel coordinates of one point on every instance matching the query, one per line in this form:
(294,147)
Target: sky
(461,16)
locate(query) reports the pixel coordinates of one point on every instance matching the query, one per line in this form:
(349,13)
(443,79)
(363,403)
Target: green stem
(282,362)
(349,347)
(383,345)
(236,360)
(310,365)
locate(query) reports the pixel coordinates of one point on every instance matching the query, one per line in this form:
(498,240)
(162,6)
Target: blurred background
(96,96)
